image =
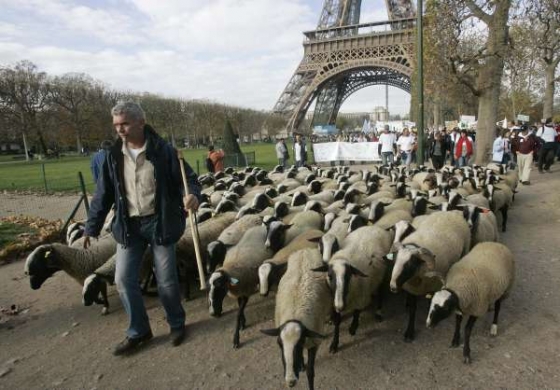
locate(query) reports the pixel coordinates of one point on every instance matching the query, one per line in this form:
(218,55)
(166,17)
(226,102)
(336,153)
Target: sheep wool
(482,277)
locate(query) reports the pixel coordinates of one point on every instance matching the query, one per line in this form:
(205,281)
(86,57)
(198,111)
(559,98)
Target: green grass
(62,174)
(9,232)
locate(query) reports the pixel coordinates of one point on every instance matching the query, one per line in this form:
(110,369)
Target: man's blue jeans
(127,277)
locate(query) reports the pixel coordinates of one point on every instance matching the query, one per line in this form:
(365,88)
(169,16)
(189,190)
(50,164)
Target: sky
(238,52)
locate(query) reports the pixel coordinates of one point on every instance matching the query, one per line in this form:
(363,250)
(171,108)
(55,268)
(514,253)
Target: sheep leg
(467,346)
(494,328)
(337,318)
(104,300)
(242,301)
(355,322)
(411,305)
(504,211)
(457,335)
(311,353)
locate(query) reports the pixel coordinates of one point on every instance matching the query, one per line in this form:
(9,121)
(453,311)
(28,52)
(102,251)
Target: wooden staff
(194,230)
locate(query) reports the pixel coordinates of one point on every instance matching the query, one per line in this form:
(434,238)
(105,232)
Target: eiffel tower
(343,56)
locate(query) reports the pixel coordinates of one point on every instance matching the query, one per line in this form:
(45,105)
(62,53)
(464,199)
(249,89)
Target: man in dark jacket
(98,158)
(141,176)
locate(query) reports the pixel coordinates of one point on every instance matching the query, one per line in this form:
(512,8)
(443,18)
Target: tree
(24,96)
(231,146)
(476,57)
(545,22)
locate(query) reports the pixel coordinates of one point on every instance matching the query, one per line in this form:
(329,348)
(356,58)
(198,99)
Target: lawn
(62,174)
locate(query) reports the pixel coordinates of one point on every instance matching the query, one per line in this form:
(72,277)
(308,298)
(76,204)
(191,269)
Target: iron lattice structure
(343,56)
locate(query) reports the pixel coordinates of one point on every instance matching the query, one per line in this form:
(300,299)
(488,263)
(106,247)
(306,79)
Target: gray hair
(131,110)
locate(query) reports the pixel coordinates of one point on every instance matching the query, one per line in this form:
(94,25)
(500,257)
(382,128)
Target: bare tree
(24,94)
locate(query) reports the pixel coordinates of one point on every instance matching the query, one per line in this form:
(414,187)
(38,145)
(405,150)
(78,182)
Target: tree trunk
(489,82)
(79,143)
(549,83)
(437,117)
(25,146)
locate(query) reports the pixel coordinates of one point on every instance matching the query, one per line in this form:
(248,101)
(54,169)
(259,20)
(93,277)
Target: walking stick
(194,230)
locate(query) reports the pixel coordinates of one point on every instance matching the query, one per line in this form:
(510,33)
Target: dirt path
(55,342)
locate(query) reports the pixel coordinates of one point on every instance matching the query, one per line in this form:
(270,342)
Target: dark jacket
(96,163)
(171,215)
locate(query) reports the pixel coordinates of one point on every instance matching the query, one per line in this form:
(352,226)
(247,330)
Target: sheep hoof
(104,311)
(455,344)
(236,344)
(378,317)
(408,339)
(333,349)
(494,330)
(467,360)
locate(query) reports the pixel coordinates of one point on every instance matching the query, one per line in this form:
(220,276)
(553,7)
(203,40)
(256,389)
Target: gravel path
(55,342)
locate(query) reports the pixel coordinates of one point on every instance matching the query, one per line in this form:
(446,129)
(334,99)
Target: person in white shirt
(405,144)
(386,143)
(548,150)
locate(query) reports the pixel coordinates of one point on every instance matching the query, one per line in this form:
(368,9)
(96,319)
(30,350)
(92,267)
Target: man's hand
(87,242)
(191,202)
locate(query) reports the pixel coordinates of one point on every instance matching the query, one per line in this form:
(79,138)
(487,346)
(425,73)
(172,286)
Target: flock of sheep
(331,241)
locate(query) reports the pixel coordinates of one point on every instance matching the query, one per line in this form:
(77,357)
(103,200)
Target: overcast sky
(239,52)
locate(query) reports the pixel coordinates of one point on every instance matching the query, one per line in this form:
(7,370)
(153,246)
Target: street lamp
(420,48)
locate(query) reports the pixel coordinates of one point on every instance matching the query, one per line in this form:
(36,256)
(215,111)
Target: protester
(300,151)
(453,139)
(405,144)
(98,158)
(548,150)
(463,149)
(386,146)
(141,176)
(438,147)
(501,148)
(282,152)
(525,144)
(217,158)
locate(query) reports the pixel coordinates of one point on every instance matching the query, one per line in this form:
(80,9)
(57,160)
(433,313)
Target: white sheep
(238,276)
(479,280)
(483,224)
(355,274)
(271,270)
(303,302)
(425,256)
(79,263)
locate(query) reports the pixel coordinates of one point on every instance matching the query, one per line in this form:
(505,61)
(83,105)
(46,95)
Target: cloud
(239,52)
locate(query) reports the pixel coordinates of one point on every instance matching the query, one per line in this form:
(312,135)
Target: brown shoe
(130,345)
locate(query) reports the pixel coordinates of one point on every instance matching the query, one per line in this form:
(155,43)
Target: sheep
(482,222)
(238,276)
(500,199)
(302,304)
(440,240)
(391,218)
(481,278)
(271,270)
(362,255)
(280,234)
(228,238)
(79,263)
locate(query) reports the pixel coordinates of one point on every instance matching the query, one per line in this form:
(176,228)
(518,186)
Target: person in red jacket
(463,149)
(217,158)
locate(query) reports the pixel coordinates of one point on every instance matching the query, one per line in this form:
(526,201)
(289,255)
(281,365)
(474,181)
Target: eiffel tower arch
(343,56)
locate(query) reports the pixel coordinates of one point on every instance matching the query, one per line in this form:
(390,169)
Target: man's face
(128,128)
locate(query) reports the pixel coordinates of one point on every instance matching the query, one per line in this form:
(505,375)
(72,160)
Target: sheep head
(443,303)
(291,339)
(40,265)
(410,261)
(219,283)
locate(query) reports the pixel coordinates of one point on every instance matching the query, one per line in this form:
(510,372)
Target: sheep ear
(314,239)
(314,335)
(323,268)
(233,281)
(271,332)
(434,207)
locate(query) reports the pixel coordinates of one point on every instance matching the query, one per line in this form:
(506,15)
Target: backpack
(209,164)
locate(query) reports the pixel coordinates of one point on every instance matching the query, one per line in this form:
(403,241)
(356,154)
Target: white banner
(346,151)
